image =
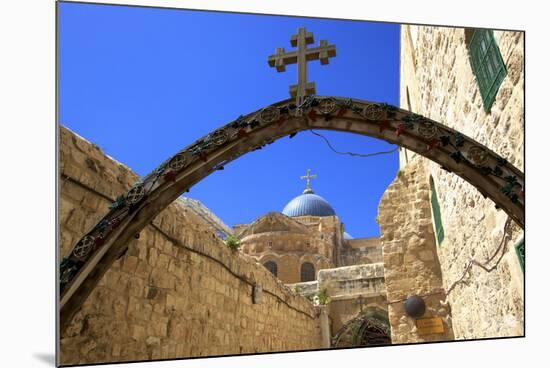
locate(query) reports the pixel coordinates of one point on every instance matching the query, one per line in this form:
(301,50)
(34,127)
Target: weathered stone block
(138,332)
(162,279)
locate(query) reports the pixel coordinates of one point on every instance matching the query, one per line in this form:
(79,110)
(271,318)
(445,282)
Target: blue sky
(142,83)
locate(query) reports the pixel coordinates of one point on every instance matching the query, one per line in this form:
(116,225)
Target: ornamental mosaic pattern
(177,162)
(477,155)
(427,130)
(373,112)
(135,194)
(84,247)
(269,115)
(327,106)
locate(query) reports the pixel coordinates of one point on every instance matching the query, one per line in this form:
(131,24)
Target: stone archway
(92,255)
(369,328)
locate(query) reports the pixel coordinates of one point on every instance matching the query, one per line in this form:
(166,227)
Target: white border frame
(27,116)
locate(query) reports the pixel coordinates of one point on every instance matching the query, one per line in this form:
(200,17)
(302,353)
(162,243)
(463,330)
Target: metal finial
(308,178)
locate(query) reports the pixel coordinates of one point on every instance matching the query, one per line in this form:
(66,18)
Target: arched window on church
(272,267)
(307,272)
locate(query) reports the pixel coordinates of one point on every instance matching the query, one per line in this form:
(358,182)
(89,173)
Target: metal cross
(301,56)
(308,177)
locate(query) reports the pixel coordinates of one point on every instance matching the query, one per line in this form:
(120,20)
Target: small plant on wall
(323,297)
(232,243)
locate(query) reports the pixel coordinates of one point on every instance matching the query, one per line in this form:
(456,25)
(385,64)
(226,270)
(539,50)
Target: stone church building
(306,237)
(448,265)
(305,246)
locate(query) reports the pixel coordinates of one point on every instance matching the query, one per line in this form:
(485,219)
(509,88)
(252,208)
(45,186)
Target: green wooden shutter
(487,65)
(440,234)
(520,251)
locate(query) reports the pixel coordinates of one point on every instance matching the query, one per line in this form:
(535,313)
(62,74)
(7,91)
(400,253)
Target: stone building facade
(411,265)
(291,250)
(443,78)
(305,246)
(307,236)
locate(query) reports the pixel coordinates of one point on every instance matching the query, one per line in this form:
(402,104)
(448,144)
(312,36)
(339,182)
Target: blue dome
(308,204)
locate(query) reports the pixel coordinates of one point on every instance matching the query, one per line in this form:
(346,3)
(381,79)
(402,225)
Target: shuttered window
(487,65)
(520,251)
(440,234)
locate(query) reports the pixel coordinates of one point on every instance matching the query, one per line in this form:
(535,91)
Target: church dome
(308,204)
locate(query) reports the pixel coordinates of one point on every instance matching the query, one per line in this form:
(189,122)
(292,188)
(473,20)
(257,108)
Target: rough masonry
(178,291)
(437,81)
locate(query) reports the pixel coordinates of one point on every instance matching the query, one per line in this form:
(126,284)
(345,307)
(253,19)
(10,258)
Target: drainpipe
(325,327)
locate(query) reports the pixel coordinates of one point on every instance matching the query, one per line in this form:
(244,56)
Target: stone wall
(222,230)
(350,290)
(178,291)
(308,289)
(411,265)
(366,280)
(289,265)
(361,251)
(437,81)
(289,251)
(289,244)
(345,286)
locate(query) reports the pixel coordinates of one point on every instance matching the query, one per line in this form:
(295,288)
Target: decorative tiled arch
(92,255)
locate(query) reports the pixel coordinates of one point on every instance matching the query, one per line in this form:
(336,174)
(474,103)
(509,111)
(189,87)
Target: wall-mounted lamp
(415,306)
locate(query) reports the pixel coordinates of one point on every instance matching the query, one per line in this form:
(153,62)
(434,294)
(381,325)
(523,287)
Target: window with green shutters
(520,251)
(440,234)
(487,65)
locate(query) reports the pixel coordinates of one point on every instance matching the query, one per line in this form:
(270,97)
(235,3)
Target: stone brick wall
(345,285)
(437,81)
(361,251)
(411,265)
(366,280)
(178,291)
(289,265)
(308,289)
(214,221)
(289,251)
(288,243)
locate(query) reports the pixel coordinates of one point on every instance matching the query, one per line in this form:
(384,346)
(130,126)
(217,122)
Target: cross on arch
(281,59)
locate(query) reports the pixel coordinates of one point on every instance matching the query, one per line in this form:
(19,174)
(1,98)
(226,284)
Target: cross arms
(322,52)
(282,58)
(302,33)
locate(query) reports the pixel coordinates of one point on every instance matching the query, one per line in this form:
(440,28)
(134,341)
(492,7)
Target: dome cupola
(308,203)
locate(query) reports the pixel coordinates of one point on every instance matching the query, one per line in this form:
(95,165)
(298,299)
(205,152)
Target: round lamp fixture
(415,306)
